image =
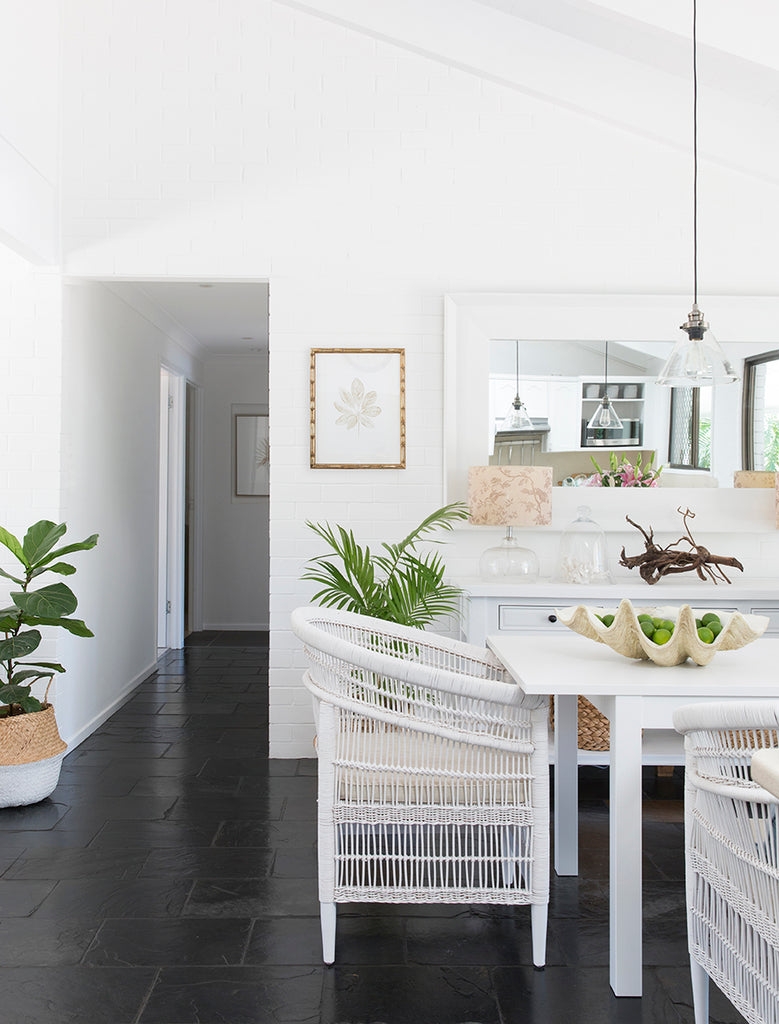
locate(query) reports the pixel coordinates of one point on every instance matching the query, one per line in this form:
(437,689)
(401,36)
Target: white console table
(495,607)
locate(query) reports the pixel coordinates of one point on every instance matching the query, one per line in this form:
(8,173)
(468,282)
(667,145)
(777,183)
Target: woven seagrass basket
(593,726)
(31,737)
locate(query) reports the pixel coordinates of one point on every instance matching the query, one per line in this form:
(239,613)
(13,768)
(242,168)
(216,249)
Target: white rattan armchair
(732,857)
(433,772)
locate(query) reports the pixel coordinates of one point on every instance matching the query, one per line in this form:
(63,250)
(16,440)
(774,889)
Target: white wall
(29,126)
(30,372)
(110,435)
(235,534)
(251,139)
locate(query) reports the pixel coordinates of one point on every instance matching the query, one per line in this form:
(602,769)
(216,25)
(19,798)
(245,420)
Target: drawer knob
(553,618)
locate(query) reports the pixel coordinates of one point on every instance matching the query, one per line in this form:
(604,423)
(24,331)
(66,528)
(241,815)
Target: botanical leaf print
(262,454)
(357,407)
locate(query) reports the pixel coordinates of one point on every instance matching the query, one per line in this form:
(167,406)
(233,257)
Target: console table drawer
(772,611)
(527,616)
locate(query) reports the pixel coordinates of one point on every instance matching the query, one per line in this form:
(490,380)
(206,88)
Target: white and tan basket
(30,737)
(31,753)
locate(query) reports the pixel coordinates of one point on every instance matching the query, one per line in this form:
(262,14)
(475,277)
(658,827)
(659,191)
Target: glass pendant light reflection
(697,360)
(604,417)
(517,417)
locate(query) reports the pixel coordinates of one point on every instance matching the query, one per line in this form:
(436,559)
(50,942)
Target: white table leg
(625,931)
(566,785)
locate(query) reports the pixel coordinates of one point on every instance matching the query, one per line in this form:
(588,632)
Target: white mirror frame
(743,325)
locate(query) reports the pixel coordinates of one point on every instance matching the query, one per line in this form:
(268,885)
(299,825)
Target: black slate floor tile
(98,898)
(138,942)
(20,899)
(267,834)
(274,897)
(236,995)
(73,995)
(57,862)
(42,942)
(35,818)
(568,995)
(410,995)
(676,981)
(149,835)
(209,862)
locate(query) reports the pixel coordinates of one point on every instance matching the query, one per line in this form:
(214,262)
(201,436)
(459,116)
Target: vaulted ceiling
(627,63)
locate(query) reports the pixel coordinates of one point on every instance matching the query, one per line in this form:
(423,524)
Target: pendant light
(697,360)
(517,417)
(604,417)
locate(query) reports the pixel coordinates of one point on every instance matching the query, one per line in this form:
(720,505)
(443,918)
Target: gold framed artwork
(358,408)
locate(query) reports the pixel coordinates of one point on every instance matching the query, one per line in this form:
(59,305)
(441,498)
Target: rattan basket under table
(593,726)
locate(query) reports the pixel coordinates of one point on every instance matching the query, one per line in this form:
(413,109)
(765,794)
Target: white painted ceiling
(209,317)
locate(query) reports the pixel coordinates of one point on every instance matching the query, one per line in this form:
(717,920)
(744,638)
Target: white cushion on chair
(765,769)
(391,765)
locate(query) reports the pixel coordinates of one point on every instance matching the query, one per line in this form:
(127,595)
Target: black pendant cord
(606,372)
(695,151)
(516,364)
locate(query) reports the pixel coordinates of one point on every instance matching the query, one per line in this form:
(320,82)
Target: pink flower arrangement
(624,473)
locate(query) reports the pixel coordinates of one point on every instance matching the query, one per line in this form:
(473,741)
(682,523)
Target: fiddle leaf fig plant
(400,585)
(50,605)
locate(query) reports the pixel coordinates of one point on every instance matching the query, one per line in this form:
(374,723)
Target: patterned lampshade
(510,495)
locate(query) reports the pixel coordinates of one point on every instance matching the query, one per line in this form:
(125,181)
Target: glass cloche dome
(582,556)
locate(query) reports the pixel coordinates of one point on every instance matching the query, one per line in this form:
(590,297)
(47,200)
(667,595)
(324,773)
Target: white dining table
(634,696)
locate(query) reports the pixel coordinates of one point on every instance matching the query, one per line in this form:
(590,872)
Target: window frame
(747,406)
(695,428)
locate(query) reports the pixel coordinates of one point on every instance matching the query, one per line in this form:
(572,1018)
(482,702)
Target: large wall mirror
(554,347)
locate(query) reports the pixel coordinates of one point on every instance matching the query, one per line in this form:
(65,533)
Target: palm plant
(400,585)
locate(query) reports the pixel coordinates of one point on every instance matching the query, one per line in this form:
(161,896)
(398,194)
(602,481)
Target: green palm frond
(399,586)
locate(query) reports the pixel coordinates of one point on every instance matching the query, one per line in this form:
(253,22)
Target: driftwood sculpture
(656,562)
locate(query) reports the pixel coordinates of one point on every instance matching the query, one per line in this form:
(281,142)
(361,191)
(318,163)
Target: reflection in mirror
(761,412)
(561,385)
(562,341)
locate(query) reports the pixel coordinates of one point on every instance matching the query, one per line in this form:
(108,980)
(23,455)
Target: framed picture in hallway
(358,408)
(252,455)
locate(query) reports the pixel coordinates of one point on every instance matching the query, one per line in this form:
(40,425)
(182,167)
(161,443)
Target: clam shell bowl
(624,635)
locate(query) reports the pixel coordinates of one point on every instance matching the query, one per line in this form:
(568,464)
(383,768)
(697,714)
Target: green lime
(667,624)
(599,617)
(710,617)
(705,635)
(648,629)
(657,623)
(698,623)
(715,628)
(662,636)
(607,620)
(644,618)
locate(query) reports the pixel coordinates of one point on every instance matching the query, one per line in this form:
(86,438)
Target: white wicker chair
(433,772)
(732,857)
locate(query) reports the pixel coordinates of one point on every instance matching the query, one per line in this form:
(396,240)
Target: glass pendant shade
(604,417)
(517,418)
(697,361)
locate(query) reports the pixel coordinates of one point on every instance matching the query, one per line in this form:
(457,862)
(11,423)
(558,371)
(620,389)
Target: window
(761,412)
(690,442)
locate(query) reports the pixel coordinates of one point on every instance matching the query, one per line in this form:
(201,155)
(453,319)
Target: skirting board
(113,707)
(230,627)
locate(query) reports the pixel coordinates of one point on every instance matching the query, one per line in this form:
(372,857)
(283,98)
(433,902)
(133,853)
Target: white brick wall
(247,139)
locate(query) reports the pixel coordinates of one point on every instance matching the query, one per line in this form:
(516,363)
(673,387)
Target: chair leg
(538,917)
(700,992)
(327,920)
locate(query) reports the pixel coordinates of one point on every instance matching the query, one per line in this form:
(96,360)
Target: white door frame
(170,585)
